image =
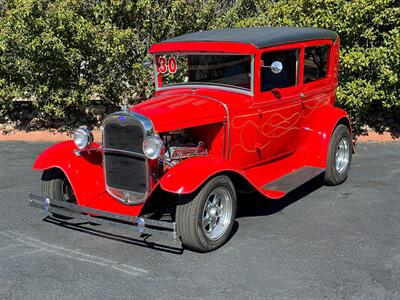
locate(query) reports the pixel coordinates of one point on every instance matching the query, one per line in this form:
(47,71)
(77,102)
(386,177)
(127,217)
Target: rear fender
(317,130)
(86,175)
(190,174)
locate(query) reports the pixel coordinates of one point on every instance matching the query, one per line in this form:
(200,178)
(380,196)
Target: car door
(279,104)
(319,85)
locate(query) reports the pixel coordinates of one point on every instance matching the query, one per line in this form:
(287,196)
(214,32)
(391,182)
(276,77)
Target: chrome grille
(125,166)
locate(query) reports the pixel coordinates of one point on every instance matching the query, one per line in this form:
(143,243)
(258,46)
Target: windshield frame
(225,87)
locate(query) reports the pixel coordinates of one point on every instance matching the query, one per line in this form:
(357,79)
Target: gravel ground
(316,243)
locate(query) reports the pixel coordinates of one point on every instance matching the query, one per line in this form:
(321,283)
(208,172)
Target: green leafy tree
(63,53)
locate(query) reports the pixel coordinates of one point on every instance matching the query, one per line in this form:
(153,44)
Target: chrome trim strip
(209,86)
(111,150)
(155,73)
(140,196)
(77,211)
(252,76)
(148,129)
(146,122)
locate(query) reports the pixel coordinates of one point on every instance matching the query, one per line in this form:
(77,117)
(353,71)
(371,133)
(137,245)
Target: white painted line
(7,235)
(26,253)
(74,254)
(9,246)
(122,270)
(135,268)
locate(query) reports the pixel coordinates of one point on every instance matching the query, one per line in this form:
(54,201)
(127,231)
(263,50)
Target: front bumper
(141,225)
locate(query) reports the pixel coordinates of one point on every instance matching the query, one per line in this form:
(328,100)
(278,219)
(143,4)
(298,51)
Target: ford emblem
(122,118)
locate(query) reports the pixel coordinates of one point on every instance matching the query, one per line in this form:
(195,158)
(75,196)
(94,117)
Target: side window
(287,77)
(315,63)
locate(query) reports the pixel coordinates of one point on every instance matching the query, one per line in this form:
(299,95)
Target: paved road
(319,242)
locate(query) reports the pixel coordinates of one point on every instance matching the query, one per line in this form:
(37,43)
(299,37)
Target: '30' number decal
(163,66)
(172,64)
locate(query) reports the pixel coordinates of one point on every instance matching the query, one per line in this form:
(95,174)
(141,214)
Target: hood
(174,111)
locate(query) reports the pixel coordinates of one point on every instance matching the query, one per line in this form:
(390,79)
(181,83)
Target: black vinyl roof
(260,37)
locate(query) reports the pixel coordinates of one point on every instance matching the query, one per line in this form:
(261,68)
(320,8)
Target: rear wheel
(339,156)
(55,185)
(204,221)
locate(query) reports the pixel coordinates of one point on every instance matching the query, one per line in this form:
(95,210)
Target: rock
(110,109)
(2,127)
(59,124)
(48,123)
(98,109)
(83,120)
(72,118)
(8,127)
(36,123)
(24,114)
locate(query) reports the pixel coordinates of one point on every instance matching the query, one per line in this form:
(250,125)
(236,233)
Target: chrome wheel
(342,155)
(217,213)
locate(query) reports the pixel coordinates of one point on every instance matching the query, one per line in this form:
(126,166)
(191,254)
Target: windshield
(215,69)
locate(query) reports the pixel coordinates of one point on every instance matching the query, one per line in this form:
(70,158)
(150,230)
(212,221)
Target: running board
(293,180)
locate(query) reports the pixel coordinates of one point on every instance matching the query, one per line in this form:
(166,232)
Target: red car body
(254,137)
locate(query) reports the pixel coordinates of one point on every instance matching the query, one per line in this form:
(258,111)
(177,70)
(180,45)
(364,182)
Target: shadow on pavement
(253,205)
(249,205)
(82,227)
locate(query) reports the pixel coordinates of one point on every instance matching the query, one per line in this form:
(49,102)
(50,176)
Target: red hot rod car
(233,110)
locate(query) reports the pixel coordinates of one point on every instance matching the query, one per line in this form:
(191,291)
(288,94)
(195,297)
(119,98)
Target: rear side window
(315,63)
(287,77)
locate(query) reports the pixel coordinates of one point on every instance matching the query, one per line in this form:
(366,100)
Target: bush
(63,53)
(370,47)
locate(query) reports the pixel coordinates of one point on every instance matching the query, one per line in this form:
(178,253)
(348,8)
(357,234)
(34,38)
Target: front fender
(86,175)
(317,130)
(83,172)
(190,174)
(61,156)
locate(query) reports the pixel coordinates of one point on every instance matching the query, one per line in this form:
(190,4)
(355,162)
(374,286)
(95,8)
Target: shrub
(370,47)
(63,53)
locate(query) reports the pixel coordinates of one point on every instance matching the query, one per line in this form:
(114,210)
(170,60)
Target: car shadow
(249,205)
(87,227)
(255,204)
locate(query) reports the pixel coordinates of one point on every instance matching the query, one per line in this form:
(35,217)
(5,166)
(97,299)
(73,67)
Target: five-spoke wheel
(205,220)
(339,156)
(217,213)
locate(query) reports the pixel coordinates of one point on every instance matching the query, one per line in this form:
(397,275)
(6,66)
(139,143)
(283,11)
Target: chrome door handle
(302,95)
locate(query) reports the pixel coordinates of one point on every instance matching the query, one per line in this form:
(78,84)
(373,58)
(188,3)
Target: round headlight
(83,137)
(153,147)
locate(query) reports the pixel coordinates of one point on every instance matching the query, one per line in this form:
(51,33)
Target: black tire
(333,174)
(189,216)
(55,185)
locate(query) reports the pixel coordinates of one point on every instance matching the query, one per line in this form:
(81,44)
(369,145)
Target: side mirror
(276,67)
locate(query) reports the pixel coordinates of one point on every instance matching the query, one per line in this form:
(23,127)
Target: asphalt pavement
(319,242)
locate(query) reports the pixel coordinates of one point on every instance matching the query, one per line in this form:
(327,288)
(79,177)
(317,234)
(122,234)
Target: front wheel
(204,221)
(339,156)
(55,185)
